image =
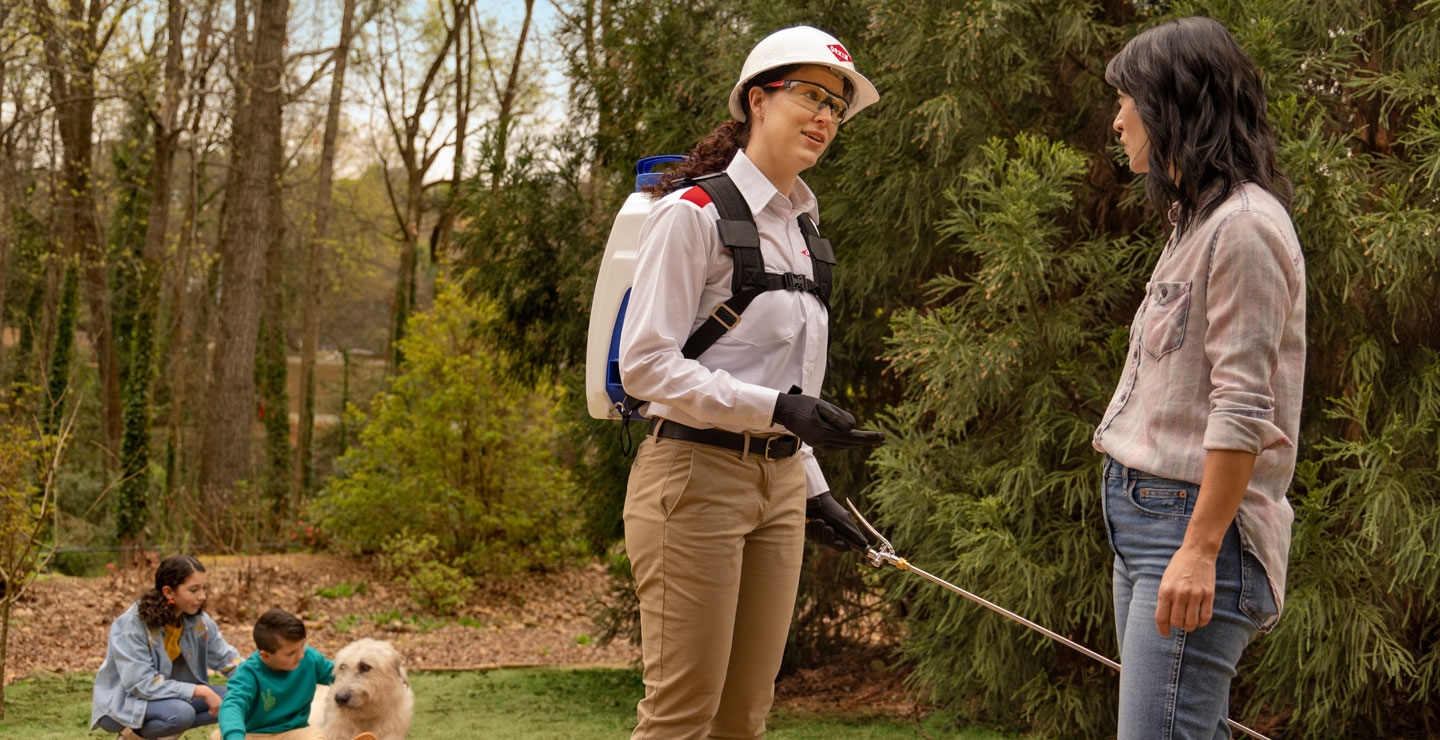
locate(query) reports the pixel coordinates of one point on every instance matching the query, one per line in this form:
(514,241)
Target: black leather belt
(771,448)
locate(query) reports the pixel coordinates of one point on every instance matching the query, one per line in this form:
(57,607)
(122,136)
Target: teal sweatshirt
(259,699)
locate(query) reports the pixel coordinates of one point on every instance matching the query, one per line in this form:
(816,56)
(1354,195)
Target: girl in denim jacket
(153,683)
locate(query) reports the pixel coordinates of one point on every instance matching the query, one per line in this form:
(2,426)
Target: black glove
(827,523)
(820,424)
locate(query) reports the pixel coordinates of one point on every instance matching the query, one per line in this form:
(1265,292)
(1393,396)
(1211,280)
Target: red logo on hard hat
(840,53)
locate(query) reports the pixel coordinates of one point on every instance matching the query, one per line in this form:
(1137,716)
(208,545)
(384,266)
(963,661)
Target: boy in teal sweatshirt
(269,694)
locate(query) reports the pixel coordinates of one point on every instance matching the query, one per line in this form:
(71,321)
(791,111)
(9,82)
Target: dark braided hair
(1199,97)
(155,610)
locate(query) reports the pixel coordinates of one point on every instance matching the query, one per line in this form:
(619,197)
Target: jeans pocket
(1162,498)
(1166,311)
(1257,599)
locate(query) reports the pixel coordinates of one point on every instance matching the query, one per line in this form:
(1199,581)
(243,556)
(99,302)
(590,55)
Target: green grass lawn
(514,704)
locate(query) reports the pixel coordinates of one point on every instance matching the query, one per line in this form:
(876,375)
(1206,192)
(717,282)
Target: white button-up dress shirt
(682,273)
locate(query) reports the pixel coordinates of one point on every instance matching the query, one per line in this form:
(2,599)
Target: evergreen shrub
(1007,364)
(459,451)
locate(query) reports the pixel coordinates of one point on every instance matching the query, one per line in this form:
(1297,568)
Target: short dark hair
(1200,99)
(277,626)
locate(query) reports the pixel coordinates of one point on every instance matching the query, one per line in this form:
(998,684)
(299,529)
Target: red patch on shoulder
(698,196)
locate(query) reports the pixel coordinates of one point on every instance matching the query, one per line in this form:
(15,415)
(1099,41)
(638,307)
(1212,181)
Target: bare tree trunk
(135,445)
(507,102)
(58,238)
(405,129)
(405,274)
(315,262)
(230,408)
(179,352)
(7,180)
(464,95)
(4,643)
(73,45)
(272,366)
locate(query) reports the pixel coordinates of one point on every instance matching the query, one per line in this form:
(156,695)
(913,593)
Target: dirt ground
(61,624)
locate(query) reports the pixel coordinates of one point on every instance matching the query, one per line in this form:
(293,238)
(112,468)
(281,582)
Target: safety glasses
(813,97)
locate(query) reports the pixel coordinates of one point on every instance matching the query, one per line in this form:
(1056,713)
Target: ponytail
(711,154)
(155,609)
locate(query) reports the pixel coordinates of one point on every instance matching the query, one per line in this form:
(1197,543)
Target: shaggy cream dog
(371,694)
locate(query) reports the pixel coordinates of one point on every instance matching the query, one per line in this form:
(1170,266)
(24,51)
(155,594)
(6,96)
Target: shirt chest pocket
(1167,308)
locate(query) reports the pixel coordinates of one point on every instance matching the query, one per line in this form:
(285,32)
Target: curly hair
(1199,97)
(155,609)
(714,152)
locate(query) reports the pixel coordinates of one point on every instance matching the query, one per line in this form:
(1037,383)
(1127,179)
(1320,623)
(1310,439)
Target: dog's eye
(364,667)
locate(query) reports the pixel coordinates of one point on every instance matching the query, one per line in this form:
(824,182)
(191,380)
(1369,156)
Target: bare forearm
(1227,474)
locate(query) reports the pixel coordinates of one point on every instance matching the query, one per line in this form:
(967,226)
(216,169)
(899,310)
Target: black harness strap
(736,227)
(749,279)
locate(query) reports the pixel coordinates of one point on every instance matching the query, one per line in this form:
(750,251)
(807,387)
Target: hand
(1187,591)
(212,699)
(827,523)
(820,424)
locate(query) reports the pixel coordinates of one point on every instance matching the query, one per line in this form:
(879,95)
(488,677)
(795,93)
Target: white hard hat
(802,45)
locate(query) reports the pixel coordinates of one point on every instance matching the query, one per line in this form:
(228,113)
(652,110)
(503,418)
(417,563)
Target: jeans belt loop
(745,447)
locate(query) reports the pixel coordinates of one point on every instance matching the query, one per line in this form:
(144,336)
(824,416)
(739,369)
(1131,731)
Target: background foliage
(992,250)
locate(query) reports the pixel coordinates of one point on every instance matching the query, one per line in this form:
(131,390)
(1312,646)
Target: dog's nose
(342,698)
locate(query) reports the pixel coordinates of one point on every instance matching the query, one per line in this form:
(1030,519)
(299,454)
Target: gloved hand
(821,424)
(827,523)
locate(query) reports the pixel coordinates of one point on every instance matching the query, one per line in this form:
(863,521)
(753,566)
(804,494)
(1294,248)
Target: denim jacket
(137,670)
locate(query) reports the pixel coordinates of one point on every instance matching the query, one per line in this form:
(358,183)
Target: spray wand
(881,553)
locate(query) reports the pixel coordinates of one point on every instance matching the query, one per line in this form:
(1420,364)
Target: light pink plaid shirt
(1216,362)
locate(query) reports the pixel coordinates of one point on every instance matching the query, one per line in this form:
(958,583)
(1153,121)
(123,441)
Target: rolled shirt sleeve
(1252,288)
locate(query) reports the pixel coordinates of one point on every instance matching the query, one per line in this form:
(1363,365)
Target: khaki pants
(715,544)
(302,733)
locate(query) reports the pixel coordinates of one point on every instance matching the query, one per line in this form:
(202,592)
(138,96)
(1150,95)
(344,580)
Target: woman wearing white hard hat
(725,486)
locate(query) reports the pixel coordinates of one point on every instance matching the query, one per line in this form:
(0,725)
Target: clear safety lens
(814,97)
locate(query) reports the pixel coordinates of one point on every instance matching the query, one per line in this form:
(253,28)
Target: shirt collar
(1211,192)
(760,193)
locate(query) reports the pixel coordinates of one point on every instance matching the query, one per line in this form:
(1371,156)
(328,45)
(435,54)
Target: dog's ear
(398,659)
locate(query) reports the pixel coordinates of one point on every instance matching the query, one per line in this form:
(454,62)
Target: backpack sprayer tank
(603,388)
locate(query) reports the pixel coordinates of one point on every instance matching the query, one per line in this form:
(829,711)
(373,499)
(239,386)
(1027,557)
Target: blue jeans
(167,717)
(1177,687)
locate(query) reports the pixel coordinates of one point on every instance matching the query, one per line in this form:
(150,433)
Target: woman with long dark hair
(1199,438)
(724,483)
(154,681)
